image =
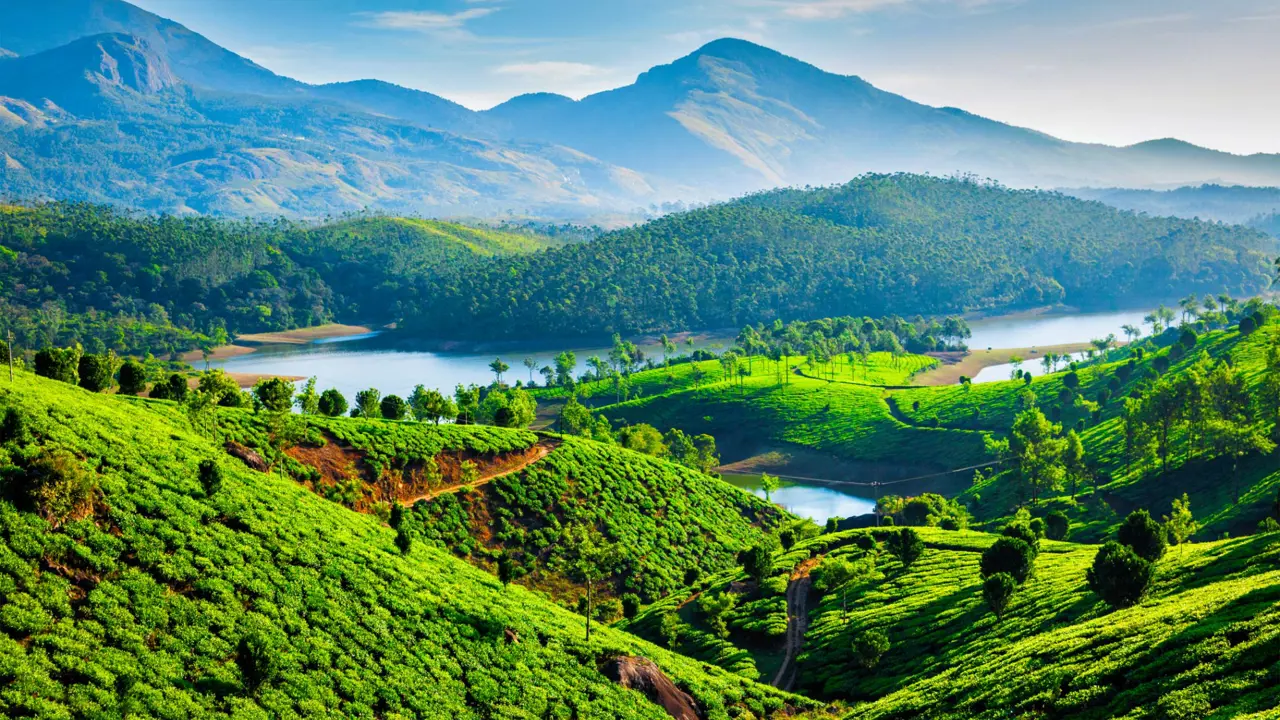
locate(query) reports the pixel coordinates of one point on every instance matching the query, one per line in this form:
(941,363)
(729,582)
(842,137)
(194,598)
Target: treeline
(901,243)
(137,284)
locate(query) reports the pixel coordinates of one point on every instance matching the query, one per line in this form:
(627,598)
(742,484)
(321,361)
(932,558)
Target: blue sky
(1113,71)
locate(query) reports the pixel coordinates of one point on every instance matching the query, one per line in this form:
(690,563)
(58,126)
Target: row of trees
(494,405)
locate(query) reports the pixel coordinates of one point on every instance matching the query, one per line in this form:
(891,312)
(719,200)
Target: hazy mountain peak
(7,53)
(119,60)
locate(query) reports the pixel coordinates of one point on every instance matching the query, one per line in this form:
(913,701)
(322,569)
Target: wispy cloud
(426,21)
(753,29)
(553,71)
(834,9)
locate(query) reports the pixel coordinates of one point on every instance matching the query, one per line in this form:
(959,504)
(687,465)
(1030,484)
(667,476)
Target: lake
(394,366)
(817,501)
(1045,330)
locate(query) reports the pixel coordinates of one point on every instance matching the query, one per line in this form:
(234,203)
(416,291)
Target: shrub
(393,407)
(1023,532)
(210,477)
(61,364)
(1247,325)
(1119,575)
(258,660)
(869,646)
(833,525)
(273,395)
(332,403)
(757,562)
(133,378)
(1142,533)
(787,538)
(887,521)
(630,605)
(13,428)
(174,388)
(1056,525)
(1010,556)
(96,372)
(1037,526)
(907,546)
(998,591)
(59,487)
(1268,525)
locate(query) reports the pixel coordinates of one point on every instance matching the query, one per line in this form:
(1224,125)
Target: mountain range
(103,101)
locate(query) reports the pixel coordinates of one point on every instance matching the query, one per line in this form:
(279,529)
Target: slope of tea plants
(132,585)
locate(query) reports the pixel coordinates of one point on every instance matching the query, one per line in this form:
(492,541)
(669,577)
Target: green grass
(145,608)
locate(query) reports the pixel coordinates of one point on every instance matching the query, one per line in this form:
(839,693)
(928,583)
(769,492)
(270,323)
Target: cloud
(426,21)
(834,9)
(552,71)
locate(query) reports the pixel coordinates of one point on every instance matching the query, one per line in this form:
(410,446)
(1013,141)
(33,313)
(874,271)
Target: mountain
(729,118)
(1236,204)
(879,245)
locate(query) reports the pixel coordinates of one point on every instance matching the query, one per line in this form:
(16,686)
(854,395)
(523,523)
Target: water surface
(1024,331)
(816,501)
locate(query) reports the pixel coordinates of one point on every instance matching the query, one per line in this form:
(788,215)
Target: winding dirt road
(797,626)
(543,449)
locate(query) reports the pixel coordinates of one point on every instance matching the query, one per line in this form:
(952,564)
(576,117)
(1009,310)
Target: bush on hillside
(1023,532)
(61,364)
(13,428)
(1057,525)
(273,395)
(1119,575)
(59,487)
(907,546)
(869,646)
(998,591)
(174,388)
(96,372)
(1010,556)
(757,562)
(332,403)
(1143,534)
(133,378)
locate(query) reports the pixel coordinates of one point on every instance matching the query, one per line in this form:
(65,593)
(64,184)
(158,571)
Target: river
(816,501)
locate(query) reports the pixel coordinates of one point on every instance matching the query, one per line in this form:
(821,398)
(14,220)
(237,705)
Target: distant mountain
(108,118)
(728,118)
(1236,204)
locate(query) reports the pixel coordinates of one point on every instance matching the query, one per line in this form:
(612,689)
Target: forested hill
(880,244)
(136,284)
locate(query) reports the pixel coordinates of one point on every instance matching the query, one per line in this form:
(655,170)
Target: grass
(167,603)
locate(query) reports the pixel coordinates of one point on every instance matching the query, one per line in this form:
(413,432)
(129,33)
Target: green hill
(128,589)
(882,244)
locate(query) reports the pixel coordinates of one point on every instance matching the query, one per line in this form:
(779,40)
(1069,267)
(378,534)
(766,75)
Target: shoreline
(954,365)
(246,344)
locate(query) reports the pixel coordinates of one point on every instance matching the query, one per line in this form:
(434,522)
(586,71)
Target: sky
(1108,71)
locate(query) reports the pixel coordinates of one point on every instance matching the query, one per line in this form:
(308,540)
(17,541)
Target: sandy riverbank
(969,364)
(246,344)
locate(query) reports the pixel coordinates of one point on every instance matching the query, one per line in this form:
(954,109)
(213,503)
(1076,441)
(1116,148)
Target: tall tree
(590,559)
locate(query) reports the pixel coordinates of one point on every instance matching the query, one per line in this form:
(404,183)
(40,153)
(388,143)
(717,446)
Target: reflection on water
(811,500)
(352,364)
(1040,330)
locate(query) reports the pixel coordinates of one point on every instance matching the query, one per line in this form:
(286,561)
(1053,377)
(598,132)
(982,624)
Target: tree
(60,364)
(1008,556)
(1143,534)
(838,573)
(716,607)
(757,562)
(1057,525)
(308,401)
(468,402)
(368,404)
(220,386)
(133,378)
(1020,529)
(630,605)
(506,569)
(531,364)
(671,628)
(59,487)
(498,368)
(1179,524)
(393,407)
(1073,461)
(590,559)
(332,403)
(210,474)
(907,546)
(642,438)
(174,388)
(97,372)
(431,405)
(998,591)
(769,484)
(259,660)
(566,363)
(1119,576)
(869,646)
(273,394)
(1037,449)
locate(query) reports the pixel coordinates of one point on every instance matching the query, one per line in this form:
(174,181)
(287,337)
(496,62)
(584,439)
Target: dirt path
(797,624)
(543,449)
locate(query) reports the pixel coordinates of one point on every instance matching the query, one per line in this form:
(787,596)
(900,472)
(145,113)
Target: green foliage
(716,607)
(97,372)
(273,395)
(173,388)
(1119,575)
(308,400)
(60,364)
(906,546)
(332,403)
(997,591)
(1008,556)
(815,252)
(757,562)
(393,407)
(1143,535)
(368,404)
(133,378)
(869,646)
(1057,525)
(431,405)
(211,476)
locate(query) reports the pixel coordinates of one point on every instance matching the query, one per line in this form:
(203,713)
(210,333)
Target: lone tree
(506,569)
(869,646)
(499,368)
(1056,525)
(998,591)
(393,407)
(332,403)
(210,477)
(757,562)
(907,546)
(1140,532)
(133,378)
(368,404)
(591,559)
(1180,524)
(769,484)
(1119,576)
(274,395)
(97,372)
(59,487)
(1008,556)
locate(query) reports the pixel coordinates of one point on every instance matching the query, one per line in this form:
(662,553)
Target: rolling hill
(728,118)
(902,244)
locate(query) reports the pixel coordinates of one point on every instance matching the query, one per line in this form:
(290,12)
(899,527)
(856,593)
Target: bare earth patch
(969,364)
